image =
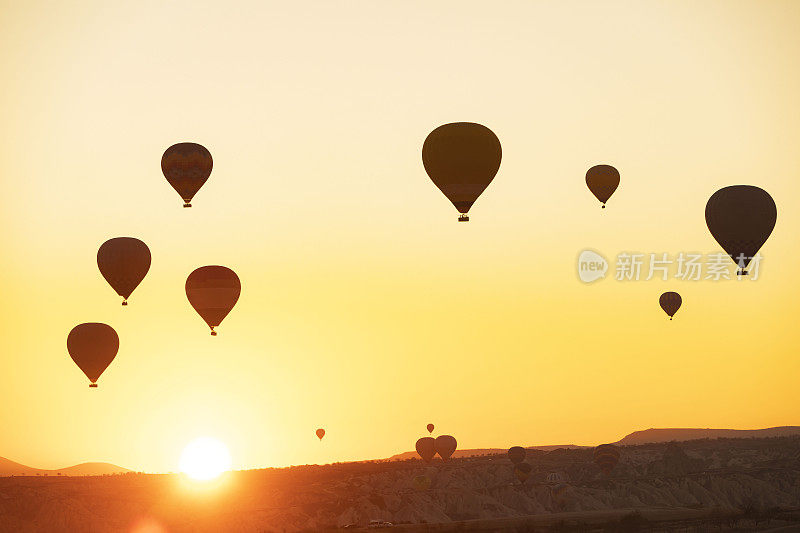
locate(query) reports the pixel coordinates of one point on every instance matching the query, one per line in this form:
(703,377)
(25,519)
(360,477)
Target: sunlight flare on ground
(205,458)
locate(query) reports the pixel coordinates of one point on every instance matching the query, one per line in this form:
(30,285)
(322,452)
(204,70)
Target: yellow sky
(366,308)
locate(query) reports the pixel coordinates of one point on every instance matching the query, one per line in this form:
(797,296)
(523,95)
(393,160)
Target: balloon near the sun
(204,459)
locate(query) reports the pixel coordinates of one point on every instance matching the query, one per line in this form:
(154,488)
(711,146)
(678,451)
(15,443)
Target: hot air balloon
(555,477)
(516,454)
(422,482)
(426,448)
(123,262)
(523,472)
(213,291)
(670,302)
(92,346)
(741,219)
(445,446)
(462,159)
(602,180)
(321,433)
(430,428)
(187,166)
(559,492)
(606,456)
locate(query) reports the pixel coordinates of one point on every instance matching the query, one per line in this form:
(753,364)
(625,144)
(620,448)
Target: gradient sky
(366,308)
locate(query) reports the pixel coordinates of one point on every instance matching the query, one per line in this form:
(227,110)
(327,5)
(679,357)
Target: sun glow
(204,459)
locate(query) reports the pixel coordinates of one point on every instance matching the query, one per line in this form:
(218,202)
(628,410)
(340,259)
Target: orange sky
(366,308)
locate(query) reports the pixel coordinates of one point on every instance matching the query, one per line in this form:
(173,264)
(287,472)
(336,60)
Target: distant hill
(654,435)
(10,468)
(484,451)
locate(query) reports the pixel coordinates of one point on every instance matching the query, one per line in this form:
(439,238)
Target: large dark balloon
(213,291)
(445,446)
(523,471)
(93,346)
(741,219)
(602,180)
(516,454)
(670,302)
(462,159)
(187,166)
(124,262)
(321,433)
(430,428)
(606,457)
(426,448)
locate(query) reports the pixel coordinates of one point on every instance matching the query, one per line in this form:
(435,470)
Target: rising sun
(205,458)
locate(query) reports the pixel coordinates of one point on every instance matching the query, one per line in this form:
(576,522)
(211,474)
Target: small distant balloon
(187,167)
(559,492)
(445,446)
(123,262)
(426,448)
(523,471)
(602,180)
(670,302)
(321,433)
(430,428)
(516,454)
(213,291)
(422,482)
(606,457)
(741,219)
(93,346)
(462,159)
(555,477)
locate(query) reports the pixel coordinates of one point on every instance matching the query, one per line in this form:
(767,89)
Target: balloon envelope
(430,428)
(445,446)
(606,457)
(187,166)
(213,291)
(123,262)
(670,302)
(741,219)
(321,433)
(523,471)
(422,482)
(462,159)
(426,448)
(516,454)
(602,180)
(93,346)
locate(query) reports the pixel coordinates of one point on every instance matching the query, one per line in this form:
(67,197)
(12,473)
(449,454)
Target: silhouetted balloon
(187,166)
(213,291)
(321,433)
(741,219)
(523,471)
(430,428)
(422,482)
(516,454)
(559,492)
(445,446)
(426,448)
(462,159)
(670,302)
(606,456)
(602,180)
(123,262)
(93,346)
(555,477)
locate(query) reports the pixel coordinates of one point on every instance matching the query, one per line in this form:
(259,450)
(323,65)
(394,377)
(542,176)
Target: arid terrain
(715,484)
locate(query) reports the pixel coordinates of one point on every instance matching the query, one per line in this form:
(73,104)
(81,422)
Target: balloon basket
(213,333)
(93,385)
(742,272)
(187,204)
(603,206)
(463,218)
(124,302)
